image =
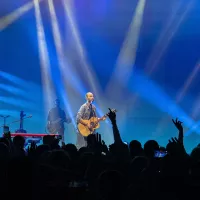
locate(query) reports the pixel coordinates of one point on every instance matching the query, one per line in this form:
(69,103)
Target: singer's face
(90,97)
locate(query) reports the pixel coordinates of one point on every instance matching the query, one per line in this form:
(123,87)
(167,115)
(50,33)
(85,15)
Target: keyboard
(33,135)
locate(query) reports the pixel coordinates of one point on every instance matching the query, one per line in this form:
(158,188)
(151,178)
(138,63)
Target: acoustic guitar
(94,124)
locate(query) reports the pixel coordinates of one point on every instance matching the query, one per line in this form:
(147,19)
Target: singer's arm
(80,115)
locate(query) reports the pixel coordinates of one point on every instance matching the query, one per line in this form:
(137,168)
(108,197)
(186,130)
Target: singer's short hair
(86,95)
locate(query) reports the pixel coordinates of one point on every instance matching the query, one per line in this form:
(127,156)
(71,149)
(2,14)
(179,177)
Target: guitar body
(54,126)
(94,124)
(51,129)
(84,130)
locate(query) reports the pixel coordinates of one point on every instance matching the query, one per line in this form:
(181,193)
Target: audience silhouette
(98,171)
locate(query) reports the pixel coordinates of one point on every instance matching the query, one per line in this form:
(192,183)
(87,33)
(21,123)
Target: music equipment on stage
(21,130)
(55,126)
(4,119)
(18,121)
(35,135)
(5,128)
(94,124)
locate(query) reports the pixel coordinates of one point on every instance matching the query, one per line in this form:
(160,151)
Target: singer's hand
(103,118)
(89,127)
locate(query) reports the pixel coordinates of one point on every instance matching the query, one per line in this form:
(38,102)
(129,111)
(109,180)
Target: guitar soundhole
(92,124)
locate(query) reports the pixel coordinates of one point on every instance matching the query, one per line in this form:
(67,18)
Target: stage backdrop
(140,57)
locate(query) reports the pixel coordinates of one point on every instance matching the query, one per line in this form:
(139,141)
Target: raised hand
(178,124)
(178,147)
(99,145)
(112,115)
(174,140)
(98,140)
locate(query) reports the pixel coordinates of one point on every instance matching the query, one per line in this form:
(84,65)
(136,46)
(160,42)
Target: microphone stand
(4,119)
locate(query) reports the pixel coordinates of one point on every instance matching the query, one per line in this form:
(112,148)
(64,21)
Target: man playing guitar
(56,119)
(86,112)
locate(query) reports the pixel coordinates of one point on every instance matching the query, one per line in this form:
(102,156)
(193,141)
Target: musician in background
(56,120)
(86,111)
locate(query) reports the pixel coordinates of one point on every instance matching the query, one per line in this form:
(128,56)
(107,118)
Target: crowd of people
(118,171)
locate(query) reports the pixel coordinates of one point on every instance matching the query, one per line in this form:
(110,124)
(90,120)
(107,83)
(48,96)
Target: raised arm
(116,134)
(179,126)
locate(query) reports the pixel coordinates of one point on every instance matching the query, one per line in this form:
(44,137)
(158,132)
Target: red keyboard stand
(38,135)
